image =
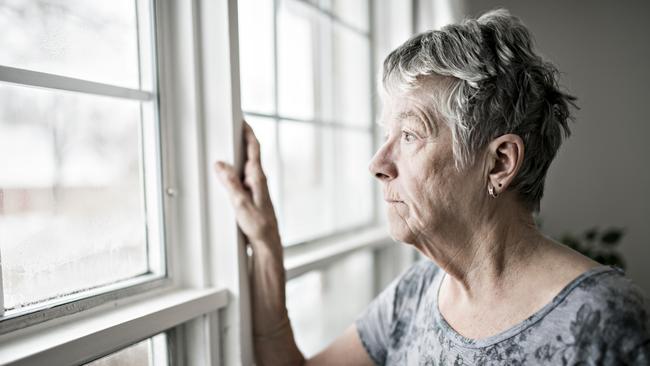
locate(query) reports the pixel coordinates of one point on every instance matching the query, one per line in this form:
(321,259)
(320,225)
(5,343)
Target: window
(80,187)
(95,252)
(116,246)
(322,304)
(150,352)
(307,92)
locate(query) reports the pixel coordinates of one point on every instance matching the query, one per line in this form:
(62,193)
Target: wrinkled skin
(497,260)
(501,268)
(427,197)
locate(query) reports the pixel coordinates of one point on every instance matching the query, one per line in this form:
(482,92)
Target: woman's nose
(382,166)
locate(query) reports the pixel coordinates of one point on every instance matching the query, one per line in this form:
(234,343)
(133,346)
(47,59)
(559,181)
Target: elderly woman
(473,118)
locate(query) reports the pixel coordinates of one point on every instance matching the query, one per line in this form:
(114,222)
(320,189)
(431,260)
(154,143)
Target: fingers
(252,145)
(256,222)
(256,182)
(230,180)
(255,179)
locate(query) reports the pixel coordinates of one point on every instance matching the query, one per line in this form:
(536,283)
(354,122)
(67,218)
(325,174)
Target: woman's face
(424,192)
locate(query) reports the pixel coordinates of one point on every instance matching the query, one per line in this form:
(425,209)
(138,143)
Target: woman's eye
(408,137)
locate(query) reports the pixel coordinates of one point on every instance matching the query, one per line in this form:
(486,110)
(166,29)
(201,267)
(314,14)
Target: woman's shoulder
(608,288)
(608,310)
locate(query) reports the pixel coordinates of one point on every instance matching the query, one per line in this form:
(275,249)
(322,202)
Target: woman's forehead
(407,108)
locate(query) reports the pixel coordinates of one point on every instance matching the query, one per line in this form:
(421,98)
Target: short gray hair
(494,83)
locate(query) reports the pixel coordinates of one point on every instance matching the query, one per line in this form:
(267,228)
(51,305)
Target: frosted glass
(295,61)
(306,186)
(352,12)
(326,185)
(72,212)
(95,40)
(256,55)
(351,78)
(352,191)
(322,304)
(150,352)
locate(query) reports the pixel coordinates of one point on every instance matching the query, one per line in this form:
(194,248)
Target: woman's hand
(273,337)
(250,197)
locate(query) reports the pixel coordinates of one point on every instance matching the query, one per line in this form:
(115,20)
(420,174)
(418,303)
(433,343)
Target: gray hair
(494,83)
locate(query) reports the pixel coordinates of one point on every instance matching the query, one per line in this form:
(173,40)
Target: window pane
(306,186)
(72,208)
(351,80)
(323,76)
(95,40)
(354,13)
(295,60)
(326,185)
(322,304)
(150,352)
(256,55)
(352,187)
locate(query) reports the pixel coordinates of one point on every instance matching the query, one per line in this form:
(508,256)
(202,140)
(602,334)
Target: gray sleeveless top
(600,318)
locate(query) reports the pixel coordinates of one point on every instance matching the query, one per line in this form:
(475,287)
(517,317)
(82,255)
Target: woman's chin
(398,231)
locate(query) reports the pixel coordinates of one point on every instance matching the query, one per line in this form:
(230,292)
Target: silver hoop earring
(491,191)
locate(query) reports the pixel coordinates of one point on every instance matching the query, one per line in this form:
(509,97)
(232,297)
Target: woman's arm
(273,337)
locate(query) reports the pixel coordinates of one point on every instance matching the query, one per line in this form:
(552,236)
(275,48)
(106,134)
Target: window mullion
(220,138)
(52,81)
(276,111)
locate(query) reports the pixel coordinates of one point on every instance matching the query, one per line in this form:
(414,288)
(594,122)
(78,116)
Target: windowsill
(81,339)
(307,257)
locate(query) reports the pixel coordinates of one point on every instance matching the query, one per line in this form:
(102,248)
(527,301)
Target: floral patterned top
(600,318)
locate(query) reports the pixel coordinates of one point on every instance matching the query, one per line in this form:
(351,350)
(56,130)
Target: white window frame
(359,229)
(204,302)
(206,288)
(320,253)
(70,304)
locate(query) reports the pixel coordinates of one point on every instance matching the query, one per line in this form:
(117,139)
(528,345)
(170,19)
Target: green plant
(601,246)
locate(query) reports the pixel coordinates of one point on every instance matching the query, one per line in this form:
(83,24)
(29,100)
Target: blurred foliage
(598,244)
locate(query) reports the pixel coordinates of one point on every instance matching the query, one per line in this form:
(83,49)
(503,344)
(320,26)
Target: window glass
(326,187)
(352,12)
(150,352)
(296,60)
(80,184)
(95,40)
(322,137)
(352,183)
(256,55)
(72,213)
(322,304)
(305,150)
(351,78)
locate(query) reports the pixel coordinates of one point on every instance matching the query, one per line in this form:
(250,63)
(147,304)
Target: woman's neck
(487,253)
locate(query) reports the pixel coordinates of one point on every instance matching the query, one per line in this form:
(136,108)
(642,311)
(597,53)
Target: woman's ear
(507,154)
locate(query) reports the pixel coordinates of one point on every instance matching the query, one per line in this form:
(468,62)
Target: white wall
(601,175)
